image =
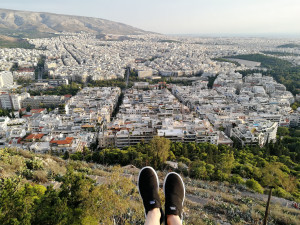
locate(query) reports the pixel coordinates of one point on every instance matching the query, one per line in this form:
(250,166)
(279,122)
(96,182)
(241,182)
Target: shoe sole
(147,167)
(182,185)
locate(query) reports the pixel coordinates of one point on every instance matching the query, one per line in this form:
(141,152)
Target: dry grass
(283,215)
(40,176)
(229,199)
(26,154)
(194,214)
(54,166)
(100,173)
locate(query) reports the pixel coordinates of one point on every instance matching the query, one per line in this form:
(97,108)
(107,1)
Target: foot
(174,193)
(148,185)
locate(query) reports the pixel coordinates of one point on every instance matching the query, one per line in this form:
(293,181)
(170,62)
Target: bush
(220,176)
(77,156)
(280,192)
(236,179)
(254,185)
(27,173)
(34,164)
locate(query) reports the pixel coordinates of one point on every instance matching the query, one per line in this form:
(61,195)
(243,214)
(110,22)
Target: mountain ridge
(52,23)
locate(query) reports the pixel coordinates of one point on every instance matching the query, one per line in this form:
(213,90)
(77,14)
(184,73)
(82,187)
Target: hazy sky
(181,16)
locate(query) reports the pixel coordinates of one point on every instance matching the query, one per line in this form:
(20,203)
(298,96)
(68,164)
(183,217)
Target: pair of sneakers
(174,190)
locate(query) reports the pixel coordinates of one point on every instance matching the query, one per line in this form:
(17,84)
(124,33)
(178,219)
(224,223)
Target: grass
(15,43)
(284,215)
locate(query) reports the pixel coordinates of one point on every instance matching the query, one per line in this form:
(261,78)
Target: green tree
(50,209)
(28,108)
(226,161)
(159,151)
(16,202)
(283,131)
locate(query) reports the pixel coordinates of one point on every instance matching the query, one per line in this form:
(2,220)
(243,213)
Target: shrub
(27,173)
(236,179)
(220,176)
(34,164)
(280,192)
(254,185)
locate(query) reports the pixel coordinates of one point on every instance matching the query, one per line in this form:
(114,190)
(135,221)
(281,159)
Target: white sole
(182,185)
(147,167)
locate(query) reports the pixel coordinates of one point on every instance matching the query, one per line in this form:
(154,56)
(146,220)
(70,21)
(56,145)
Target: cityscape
(245,108)
(182,112)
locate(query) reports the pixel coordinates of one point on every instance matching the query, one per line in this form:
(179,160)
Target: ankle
(154,212)
(173,219)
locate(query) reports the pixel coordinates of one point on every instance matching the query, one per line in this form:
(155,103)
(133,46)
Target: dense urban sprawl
(247,109)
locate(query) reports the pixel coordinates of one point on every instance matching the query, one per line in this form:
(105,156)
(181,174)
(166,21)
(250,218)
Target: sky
(228,17)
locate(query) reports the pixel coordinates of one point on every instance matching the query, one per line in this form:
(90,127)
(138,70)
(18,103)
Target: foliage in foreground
(112,197)
(78,201)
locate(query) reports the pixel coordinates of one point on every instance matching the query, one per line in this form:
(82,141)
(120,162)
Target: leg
(175,193)
(153,217)
(173,220)
(148,185)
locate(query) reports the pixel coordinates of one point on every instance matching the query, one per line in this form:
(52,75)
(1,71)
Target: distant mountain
(25,21)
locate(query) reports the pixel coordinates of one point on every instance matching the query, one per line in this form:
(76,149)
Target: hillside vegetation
(274,165)
(89,193)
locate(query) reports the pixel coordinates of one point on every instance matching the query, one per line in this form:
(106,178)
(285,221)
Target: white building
(5,100)
(258,132)
(6,79)
(11,101)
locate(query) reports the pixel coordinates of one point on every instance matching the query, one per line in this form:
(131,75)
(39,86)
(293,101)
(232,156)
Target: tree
(159,151)
(20,114)
(272,175)
(50,209)
(28,108)
(14,67)
(198,170)
(66,155)
(226,161)
(283,131)
(15,202)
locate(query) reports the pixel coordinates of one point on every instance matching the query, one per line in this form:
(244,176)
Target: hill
(13,21)
(45,189)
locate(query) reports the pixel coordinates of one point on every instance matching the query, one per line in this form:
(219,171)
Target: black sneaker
(148,185)
(174,193)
